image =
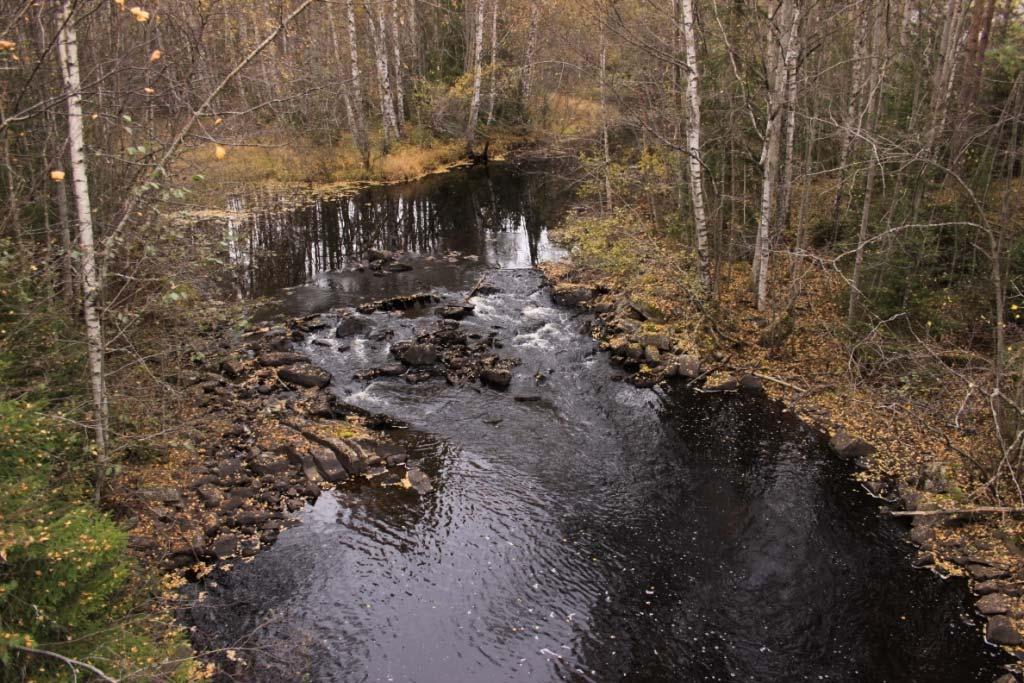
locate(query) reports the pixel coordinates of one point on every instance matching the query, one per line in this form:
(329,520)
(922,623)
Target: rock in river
(1001,631)
(419,354)
(499,378)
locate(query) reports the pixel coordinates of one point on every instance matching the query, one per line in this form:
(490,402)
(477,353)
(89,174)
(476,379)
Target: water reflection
(500,214)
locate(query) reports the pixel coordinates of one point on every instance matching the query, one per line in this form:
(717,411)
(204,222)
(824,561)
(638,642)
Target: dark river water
(596,532)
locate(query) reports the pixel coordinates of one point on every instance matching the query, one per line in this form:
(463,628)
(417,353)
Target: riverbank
(292,166)
(641,288)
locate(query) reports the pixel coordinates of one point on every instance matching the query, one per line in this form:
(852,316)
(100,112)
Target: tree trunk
(604,124)
(693,145)
(357,86)
(68,53)
(772,144)
(389,122)
(396,46)
(474,104)
(494,61)
(531,50)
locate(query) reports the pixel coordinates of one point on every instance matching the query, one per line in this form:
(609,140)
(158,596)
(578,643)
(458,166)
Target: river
(580,528)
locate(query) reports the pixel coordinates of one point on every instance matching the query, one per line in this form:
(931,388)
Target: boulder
(232,368)
(1001,631)
(454,312)
(350,326)
(419,355)
(981,572)
(305,375)
(498,378)
(689,366)
(270,463)
(278,359)
(661,341)
(849,447)
(224,546)
(568,294)
(922,536)
(994,603)
(328,465)
(210,496)
(751,383)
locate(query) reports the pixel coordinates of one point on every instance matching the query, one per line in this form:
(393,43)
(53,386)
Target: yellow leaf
(148,91)
(7,44)
(218,121)
(155,56)
(57,176)
(94,117)
(220,151)
(140,14)
(119,3)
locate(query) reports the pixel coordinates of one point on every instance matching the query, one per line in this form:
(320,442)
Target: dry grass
(282,161)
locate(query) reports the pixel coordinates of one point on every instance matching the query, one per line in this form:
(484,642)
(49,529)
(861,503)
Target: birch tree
(68,53)
(474,103)
(389,120)
(357,85)
(693,146)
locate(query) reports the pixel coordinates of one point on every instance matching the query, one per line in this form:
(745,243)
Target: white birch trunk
(357,85)
(389,123)
(474,104)
(68,54)
(693,144)
(770,154)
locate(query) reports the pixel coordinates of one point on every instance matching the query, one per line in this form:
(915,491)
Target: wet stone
(282,358)
(305,375)
(994,603)
(419,355)
(1001,631)
(454,312)
(984,573)
(498,378)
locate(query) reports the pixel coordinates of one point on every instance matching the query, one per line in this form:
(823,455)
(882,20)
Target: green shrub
(65,579)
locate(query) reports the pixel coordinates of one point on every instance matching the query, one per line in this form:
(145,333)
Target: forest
(818,200)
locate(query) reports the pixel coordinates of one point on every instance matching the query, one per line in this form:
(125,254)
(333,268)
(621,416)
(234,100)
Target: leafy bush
(64,574)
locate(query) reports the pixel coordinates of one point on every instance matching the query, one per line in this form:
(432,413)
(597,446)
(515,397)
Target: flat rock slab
(225,546)
(305,375)
(329,466)
(1001,631)
(419,355)
(161,495)
(278,359)
(994,603)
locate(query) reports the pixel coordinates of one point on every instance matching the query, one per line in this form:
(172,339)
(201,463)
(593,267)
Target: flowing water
(580,529)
